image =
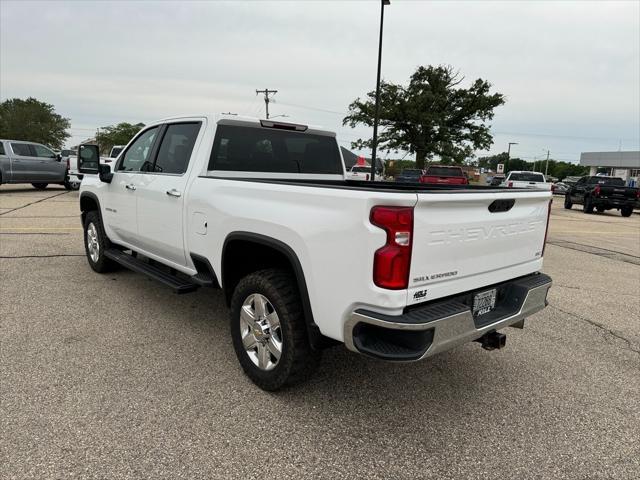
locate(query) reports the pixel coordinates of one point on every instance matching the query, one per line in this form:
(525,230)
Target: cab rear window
(445,171)
(613,181)
(526,177)
(259,149)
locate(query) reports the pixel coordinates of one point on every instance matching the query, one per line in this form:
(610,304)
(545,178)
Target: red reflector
(391,262)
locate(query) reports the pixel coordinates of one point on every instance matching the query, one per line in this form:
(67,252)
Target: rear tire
(69,185)
(587,206)
(40,186)
(269,332)
(626,211)
(95,244)
(567,202)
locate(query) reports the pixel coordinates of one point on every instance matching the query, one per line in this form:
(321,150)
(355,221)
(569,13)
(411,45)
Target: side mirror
(105,173)
(58,157)
(88,159)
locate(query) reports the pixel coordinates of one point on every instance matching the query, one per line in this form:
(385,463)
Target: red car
(444,175)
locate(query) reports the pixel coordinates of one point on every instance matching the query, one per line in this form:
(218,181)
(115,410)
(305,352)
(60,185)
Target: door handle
(174,193)
(130,187)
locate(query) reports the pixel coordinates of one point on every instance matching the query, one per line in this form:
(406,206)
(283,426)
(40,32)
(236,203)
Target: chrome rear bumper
(442,325)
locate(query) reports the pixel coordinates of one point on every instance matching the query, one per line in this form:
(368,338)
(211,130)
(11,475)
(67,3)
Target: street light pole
(374,141)
(508,156)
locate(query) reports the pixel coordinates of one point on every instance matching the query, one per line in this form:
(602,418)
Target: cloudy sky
(570,70)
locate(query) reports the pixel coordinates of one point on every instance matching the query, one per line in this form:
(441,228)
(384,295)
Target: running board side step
(179,285)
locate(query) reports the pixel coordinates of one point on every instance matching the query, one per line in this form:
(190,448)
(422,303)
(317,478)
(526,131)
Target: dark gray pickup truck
(29,162)
(603,193)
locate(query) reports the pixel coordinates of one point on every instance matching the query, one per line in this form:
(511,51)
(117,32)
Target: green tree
(431,116)
(119,134)
(34,121)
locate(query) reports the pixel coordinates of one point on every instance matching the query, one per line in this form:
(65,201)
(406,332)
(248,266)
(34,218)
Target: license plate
(484,302)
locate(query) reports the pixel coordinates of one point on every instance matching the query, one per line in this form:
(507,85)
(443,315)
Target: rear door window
(176,147)
(43,152)
(258,149)
(1,148)
(137,158)
(22,149)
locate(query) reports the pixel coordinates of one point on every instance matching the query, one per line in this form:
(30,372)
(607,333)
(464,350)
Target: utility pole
(508,156)
(546,168)
(266,92)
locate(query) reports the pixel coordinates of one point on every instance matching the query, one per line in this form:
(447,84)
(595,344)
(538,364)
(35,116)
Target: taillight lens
(392,261)
(596,190)
(546,230)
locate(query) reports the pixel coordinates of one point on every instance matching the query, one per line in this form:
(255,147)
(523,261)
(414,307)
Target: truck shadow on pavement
(345,378)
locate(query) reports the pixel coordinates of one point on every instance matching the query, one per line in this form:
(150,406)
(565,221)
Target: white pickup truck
(524,179)
(305,258)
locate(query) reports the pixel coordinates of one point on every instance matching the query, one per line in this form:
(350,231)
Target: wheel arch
(88,202)
(246,252)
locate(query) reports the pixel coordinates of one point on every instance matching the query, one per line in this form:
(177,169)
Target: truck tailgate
(463,241)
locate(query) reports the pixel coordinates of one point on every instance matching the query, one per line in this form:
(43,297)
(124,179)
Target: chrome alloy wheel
(260,331)
(92,242)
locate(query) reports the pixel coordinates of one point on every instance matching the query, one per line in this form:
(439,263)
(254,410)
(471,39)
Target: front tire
(567,202)
(626,211)
(587,206)
(40,186)
(95,244)
(269,332)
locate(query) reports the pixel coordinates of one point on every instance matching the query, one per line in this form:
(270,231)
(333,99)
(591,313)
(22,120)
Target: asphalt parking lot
(113,376)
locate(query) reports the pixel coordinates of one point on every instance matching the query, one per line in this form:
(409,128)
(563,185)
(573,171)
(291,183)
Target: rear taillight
(638,193)
(596,190)
(546,230)
(68,164)
(510,185)
(392,261)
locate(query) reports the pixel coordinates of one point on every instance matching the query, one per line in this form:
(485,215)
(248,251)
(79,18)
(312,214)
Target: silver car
(29,162)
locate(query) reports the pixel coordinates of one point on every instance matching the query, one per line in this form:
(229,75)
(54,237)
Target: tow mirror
(105,173)
(88,159)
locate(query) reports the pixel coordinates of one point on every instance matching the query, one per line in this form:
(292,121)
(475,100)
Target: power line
(266,92)
(577,137)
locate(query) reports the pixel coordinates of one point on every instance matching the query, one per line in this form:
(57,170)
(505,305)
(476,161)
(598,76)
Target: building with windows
(625,165)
